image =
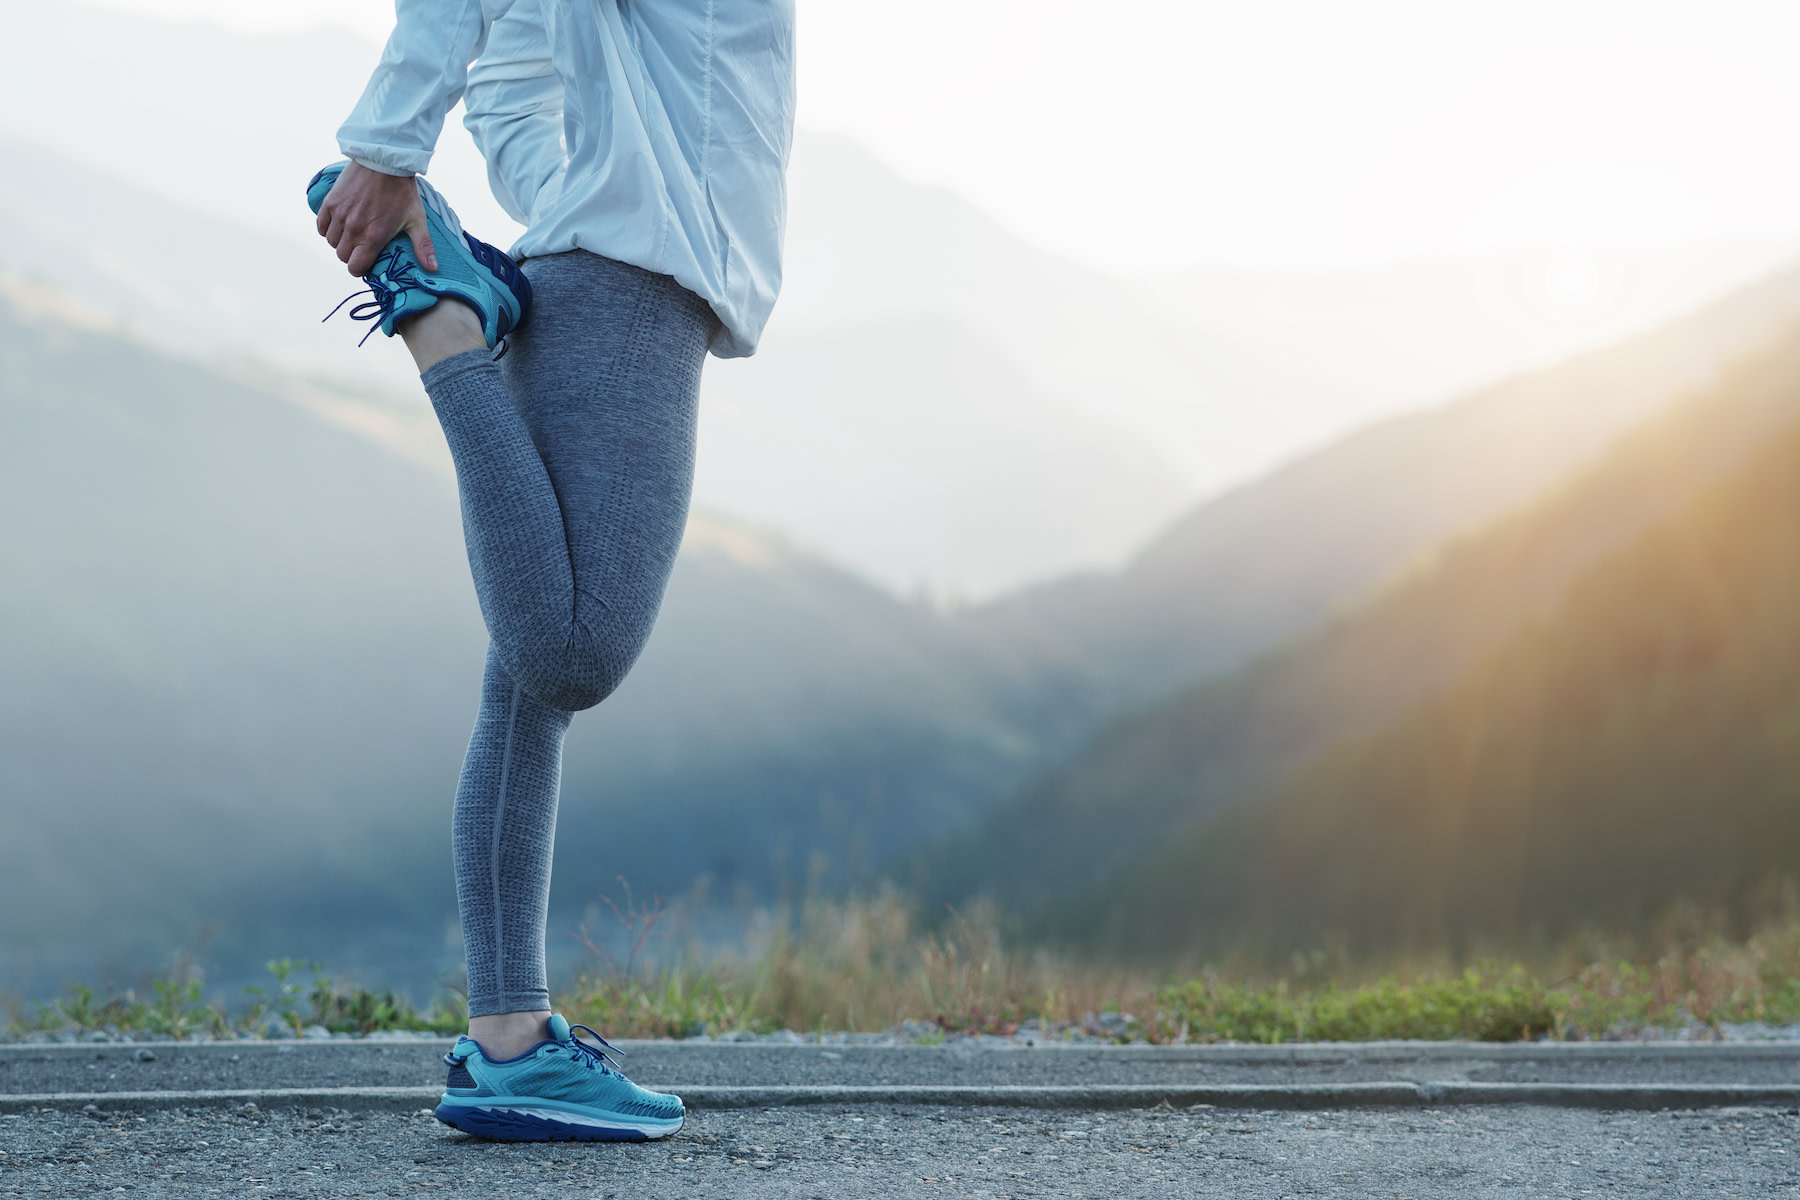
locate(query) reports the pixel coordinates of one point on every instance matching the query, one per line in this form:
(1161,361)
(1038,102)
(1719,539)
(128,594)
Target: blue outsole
(511,1127)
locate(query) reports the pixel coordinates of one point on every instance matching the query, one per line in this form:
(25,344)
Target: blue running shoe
(558,1091)
(478,274)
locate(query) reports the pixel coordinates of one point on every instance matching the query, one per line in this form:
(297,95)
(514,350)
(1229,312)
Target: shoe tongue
(559,1027)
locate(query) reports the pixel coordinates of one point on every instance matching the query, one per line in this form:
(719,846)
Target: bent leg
(574,459)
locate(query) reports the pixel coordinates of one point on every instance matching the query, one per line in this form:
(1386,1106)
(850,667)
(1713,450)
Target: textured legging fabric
(574,459)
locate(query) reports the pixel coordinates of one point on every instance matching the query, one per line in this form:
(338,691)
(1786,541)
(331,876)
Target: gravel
(877,1152)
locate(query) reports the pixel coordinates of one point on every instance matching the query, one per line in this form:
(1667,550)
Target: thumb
(420,233)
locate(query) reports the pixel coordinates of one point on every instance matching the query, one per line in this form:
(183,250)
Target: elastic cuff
(536,1000)
(389,160)
(382,168)
(462,362)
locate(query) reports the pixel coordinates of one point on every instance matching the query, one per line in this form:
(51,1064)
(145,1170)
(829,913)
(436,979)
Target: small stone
(145,1056)
(98,1035)
(315,1031)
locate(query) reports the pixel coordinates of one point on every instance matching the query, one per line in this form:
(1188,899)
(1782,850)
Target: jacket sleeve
(394,127)
(514,105)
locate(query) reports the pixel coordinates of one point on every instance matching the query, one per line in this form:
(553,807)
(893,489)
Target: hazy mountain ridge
(795,438)
(1217,372)
(242,665)
(956,461)
(1061,846)
(208,572)
(1636,748)
(192,600)
(1242,573)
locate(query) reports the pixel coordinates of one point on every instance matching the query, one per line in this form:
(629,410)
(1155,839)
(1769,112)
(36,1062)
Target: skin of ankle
(448,327)
(508,1035)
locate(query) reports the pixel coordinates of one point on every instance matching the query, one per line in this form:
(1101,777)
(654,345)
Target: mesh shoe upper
(469,270)
(562,1069)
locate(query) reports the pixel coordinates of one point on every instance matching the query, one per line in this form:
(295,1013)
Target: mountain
(1237,576)
(925,456)
(1633,749)
(1064,846)
(1230,372)
(183,280)
(241,653)
(216,644)
(181,215)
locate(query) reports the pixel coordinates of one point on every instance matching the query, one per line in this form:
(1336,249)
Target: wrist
(382,168)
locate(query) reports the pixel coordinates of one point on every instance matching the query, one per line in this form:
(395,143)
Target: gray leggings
(575,460)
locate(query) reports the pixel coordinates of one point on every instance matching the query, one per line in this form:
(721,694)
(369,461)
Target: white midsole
(652,1129)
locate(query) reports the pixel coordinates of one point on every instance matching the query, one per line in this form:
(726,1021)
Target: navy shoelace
(596,1056)
(387,281)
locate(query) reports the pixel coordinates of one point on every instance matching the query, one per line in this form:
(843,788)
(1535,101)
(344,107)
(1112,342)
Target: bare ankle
(447,327)
(508,1035)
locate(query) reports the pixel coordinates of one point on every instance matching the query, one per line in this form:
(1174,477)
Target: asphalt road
(83,1068)
(833,1150)
(878,1152)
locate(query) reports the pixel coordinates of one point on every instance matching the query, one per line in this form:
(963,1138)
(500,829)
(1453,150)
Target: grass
(176,1007)
(869,966)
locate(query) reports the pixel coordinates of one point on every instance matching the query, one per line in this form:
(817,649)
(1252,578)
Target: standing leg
(574,459)
(504,828)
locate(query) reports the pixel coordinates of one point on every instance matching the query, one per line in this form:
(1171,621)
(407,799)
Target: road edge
(1294,1097)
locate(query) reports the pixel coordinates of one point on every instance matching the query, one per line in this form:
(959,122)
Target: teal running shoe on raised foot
(560,1090)
(472,271)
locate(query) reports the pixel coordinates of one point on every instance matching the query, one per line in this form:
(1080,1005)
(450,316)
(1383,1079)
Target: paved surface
(83,1068)
(879,1152)
(156,1145)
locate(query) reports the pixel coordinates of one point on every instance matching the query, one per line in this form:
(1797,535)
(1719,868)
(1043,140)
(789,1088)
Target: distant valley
(1099,598)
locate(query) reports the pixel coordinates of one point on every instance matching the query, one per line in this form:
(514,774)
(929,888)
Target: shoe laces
(600,1056)
(389,279)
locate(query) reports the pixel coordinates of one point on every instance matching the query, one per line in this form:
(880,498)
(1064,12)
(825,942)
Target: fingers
(365,210)
(420,233)
(361,257)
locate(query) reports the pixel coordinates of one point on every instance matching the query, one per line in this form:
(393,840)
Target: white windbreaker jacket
(655,132)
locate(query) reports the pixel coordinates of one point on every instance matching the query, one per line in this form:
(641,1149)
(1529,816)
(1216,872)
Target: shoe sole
(516,1122)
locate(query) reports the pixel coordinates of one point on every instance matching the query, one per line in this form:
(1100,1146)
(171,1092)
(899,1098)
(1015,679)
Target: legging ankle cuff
(457,364)
(509,1002)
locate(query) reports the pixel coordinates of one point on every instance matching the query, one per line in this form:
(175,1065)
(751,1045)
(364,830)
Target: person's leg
(501,837)
(574,460)
(574,499)
(447,327)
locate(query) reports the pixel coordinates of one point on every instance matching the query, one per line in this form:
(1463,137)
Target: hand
(365,210)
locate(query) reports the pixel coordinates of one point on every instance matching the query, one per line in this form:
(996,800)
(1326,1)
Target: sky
(1150,135)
